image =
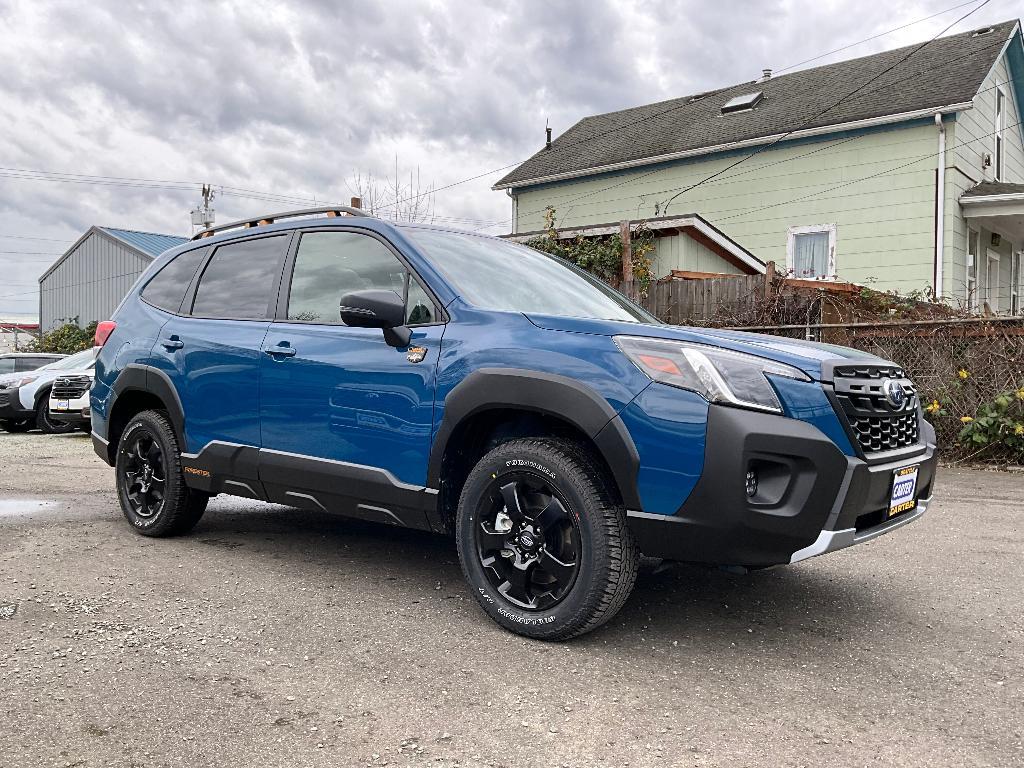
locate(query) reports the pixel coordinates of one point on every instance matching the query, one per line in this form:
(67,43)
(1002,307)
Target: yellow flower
(1020,393)
(963,374)
(966,419)
(1019,429)
(933,406)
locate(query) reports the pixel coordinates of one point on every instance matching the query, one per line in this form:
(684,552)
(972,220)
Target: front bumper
(11,407)
(811,497)
(72,417)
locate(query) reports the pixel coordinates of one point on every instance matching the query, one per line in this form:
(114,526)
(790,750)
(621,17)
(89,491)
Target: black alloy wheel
(527,542)
(143,475)
(46,423)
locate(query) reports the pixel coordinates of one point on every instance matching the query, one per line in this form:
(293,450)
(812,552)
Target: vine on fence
(601,256)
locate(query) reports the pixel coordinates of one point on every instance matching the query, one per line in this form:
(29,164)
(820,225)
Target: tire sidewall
(43,420)
(137,425)
(568,611)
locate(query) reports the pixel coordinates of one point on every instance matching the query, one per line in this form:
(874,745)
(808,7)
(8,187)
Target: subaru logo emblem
(894,394)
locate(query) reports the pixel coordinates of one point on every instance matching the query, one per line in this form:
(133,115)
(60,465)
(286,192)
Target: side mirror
(377,309)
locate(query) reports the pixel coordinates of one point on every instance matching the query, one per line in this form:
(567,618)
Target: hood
(808,356)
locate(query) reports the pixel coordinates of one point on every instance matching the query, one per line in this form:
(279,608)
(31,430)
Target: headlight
(720,375)
(23,381)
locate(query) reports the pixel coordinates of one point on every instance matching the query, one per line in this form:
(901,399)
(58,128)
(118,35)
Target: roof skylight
(740,103)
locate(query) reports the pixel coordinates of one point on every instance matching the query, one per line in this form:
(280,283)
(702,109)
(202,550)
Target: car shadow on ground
(672,602)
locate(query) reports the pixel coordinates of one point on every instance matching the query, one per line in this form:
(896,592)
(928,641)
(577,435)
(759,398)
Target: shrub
(66,339)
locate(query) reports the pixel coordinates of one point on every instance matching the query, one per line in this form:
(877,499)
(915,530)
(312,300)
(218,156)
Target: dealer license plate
(62,405)
(904,489)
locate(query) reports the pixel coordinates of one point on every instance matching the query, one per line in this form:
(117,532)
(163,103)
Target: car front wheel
(48,424)
(150,483)
(543,540)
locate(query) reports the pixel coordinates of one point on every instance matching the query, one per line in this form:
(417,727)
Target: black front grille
(5,398)
(70,387)
(876,423)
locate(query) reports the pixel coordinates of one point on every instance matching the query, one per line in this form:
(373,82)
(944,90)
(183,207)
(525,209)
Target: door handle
(280,351)
(172,343)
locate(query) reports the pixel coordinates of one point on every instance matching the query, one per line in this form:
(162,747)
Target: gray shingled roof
(986,188)
(947,71)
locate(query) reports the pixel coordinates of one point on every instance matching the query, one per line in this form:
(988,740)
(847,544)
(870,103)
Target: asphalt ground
(277,637)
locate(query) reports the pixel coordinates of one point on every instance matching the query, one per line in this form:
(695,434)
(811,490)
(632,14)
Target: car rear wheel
(543,539)
(47,423)
(150,483)
(16,425)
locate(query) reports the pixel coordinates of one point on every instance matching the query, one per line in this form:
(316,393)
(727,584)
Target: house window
(811,252)
(972,270)
(1000,126)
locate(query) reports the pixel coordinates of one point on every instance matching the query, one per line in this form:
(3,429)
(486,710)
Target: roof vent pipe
(766,74)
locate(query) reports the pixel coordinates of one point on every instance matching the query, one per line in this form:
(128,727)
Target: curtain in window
(810,255)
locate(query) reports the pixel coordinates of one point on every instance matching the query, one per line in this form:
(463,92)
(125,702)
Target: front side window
(811,252)
(238,281)
(330,264)
(167,289)
(6,364)
(499,275)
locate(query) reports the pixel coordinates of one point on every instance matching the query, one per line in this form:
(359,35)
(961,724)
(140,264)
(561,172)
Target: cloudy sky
(127,107)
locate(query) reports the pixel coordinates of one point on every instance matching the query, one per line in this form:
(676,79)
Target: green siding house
(903,170)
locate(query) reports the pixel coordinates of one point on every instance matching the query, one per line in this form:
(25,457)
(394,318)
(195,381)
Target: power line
(25,237)
(633,179)
(873,37)
(824,192)
(825,111)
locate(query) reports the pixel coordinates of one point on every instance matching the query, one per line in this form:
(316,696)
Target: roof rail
(260,221)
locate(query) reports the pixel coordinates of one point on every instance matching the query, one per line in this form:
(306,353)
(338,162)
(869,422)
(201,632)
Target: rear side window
(239,280)
(331,264)
(167,289)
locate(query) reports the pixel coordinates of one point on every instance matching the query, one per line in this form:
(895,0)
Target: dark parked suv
(450,382)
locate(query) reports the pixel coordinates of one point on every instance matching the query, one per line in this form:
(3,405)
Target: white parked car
(69,399)
(25,397)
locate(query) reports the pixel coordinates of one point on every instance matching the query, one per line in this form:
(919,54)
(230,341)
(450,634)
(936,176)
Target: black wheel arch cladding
(548,394)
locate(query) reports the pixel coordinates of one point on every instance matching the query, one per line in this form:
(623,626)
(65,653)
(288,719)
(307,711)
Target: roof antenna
(547,130)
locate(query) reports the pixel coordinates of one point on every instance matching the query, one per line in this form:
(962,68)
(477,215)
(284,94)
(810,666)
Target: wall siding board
(875,218)
(90,282)
(885,225)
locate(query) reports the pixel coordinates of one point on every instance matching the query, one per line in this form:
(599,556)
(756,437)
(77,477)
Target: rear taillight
(103,331)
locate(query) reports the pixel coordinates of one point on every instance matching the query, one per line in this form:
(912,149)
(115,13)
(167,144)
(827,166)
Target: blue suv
(449,382)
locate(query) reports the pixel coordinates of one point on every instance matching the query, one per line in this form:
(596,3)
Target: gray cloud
(293,98)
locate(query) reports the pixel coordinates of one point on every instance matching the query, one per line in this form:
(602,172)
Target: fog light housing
(751,483)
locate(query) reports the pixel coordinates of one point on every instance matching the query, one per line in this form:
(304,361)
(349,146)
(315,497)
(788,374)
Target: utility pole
(204,215)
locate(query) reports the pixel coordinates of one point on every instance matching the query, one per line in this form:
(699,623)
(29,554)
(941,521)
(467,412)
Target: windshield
(82,359)
(496,274)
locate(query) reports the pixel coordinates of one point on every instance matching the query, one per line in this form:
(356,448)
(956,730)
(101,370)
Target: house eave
(760,140)
(1013,197)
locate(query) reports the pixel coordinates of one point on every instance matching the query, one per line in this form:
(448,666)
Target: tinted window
(27,363)
(331,264)
(167,289)
(495,274)
(239,279)
(6,364)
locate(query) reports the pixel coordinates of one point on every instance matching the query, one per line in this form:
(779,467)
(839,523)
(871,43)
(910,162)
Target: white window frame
(992,291)
(973,294)
(813,229)
(998,140)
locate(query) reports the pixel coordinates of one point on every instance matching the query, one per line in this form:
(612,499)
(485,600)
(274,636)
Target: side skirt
(352,490)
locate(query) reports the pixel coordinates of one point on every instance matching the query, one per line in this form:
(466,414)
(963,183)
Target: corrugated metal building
(94,274)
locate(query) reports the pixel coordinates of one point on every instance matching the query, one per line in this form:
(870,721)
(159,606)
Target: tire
(569,519)
(16,425)
(50,426)
(155,501)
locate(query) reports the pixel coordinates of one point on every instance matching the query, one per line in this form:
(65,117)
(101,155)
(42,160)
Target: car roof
(54,355)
